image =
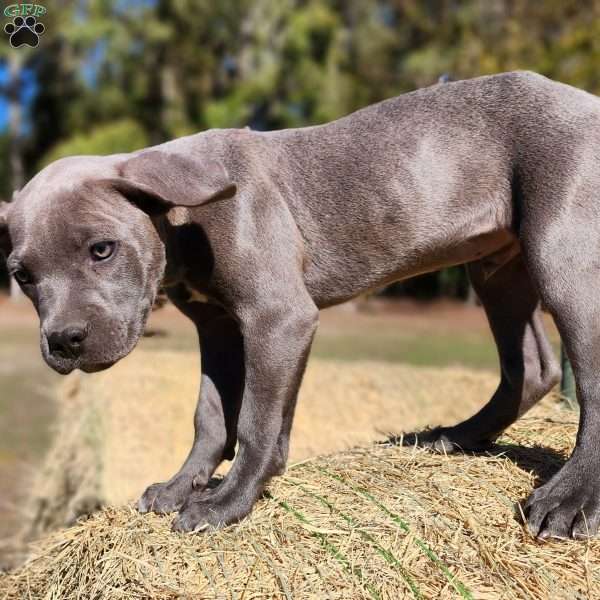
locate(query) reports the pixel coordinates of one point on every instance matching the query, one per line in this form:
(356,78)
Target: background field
(389,333)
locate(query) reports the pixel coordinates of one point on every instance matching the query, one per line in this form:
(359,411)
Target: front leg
(215,421)
(276,345)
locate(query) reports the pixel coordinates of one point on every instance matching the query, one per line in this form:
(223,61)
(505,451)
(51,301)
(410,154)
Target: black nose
(67,343)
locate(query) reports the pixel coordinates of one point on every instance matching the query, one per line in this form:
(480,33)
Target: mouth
(65,366)
(96,367)
(62,366)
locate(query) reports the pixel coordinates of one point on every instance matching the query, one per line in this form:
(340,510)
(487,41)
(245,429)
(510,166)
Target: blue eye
(102,250)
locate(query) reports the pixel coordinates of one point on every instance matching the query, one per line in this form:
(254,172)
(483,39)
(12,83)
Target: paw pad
(24,32)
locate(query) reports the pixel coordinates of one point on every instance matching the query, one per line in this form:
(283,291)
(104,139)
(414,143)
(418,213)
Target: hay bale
(375,522)
(130,426)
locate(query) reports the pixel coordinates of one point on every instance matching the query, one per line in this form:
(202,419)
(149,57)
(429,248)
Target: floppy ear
(5,245)
(158,181)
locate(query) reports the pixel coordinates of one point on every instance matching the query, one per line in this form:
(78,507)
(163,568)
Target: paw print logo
(24,32)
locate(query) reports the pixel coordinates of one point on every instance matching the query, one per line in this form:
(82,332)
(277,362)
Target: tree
(110,74)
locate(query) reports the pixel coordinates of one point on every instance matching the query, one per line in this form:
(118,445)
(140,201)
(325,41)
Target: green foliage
(121,136)
(177,66)
(145,71)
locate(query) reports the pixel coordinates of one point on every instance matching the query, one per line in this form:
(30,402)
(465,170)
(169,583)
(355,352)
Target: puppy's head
(82,242)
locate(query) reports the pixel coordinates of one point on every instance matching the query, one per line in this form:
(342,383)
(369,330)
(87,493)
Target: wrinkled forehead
(62,206)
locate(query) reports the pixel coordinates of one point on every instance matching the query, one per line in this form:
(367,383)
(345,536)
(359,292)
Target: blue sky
(29,84)
(3,102)
(27,95)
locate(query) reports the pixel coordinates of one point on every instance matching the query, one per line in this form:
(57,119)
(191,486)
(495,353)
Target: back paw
(445,440)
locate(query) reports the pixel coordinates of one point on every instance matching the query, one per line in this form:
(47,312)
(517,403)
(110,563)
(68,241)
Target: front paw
(166,497)
(568,506)
(208,511)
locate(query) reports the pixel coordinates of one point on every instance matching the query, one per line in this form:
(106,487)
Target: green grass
(470,350)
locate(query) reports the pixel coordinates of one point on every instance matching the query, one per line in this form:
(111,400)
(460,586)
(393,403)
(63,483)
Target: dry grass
(376,522)
(372,522)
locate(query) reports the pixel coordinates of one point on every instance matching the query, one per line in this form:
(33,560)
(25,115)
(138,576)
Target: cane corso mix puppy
(252,233)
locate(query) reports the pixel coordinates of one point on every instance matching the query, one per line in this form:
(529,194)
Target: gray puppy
(252,233)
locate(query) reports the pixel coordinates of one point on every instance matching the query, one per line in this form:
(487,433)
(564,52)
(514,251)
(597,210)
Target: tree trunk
(17,172)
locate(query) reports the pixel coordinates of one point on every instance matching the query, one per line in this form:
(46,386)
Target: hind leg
(528,367)
(563,259)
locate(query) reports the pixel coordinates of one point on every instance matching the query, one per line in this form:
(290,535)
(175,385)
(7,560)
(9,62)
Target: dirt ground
(399,332)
